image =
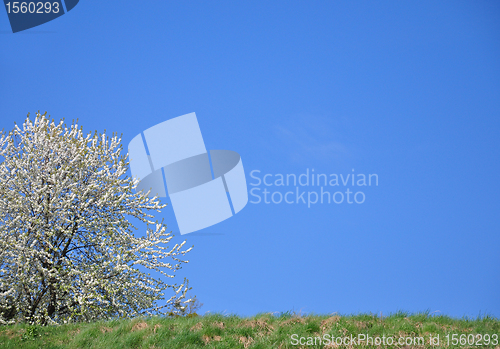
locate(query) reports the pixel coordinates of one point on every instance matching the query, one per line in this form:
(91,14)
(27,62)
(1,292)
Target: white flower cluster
(67,248)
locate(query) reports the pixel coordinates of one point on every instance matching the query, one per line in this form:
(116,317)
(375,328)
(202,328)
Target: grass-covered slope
(261,331)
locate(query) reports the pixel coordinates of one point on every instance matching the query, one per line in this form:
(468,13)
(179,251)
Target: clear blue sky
(409,91)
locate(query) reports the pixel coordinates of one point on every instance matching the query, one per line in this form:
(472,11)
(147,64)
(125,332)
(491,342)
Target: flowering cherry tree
(67,247)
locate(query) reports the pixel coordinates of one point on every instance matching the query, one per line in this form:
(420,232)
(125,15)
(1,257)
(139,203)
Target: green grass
(261,331)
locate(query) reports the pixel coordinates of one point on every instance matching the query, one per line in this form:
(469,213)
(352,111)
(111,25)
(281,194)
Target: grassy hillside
(262,331)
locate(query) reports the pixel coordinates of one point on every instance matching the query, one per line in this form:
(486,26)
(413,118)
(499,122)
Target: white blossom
(67,247)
